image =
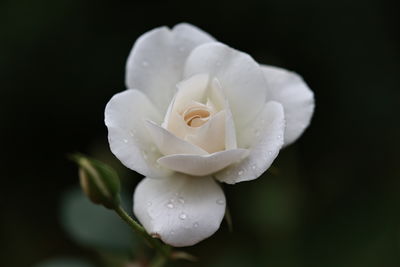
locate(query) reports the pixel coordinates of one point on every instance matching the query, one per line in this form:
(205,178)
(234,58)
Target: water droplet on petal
(181,200)
(170,205)
(149,203)
(145,155)
(220,201)
(145,63)
(240,173)
(172,232)
(183,216)
(279,137)
(195,225)
(125,141)
(254,167)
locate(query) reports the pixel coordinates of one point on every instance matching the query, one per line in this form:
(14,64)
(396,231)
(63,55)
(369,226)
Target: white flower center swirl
(196,116)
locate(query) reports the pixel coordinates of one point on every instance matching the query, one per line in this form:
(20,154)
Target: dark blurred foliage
(333,197)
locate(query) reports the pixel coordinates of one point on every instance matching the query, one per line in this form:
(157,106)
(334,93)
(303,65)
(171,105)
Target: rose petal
(191,89)
(297,99)
(155,64)
(230,132)
(180,210)
(264,137)
(211,135)
(201,165)
(127,135)
(240,77)
(218,98)
(169,144)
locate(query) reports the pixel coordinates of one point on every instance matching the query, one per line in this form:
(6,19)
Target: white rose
(197,112)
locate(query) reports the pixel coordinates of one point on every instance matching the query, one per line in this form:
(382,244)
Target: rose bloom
(198,112)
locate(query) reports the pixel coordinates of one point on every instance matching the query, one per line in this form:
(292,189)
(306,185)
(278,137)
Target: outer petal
(297,99)
(168,143)
(155,64)
(199,165)
(127,135)
(181,210)
(240,77)
(264,137)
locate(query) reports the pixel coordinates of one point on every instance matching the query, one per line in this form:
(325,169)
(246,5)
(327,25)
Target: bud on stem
(99,182)
(101,185)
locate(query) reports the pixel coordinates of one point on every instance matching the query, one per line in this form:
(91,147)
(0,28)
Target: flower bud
(99,181)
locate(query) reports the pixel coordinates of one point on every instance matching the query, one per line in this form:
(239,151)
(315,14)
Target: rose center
(196,116)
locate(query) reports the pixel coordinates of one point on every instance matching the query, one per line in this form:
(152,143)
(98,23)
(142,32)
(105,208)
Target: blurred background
(332,199)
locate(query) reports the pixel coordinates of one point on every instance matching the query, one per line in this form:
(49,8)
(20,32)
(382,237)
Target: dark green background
(333,199)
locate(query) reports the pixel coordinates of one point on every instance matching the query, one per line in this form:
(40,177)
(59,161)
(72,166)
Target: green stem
(163,250)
